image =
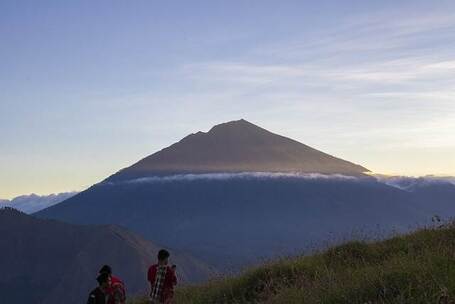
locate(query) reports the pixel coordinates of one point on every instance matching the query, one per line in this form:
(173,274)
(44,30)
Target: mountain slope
(415,268)
(45,261)
(238,146)
(240,219)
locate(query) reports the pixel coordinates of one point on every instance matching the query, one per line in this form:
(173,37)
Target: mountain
(33,202)
(238,146)
(45,261)
(199,197)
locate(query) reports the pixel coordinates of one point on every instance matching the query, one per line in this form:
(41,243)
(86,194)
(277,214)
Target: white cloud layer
(33,203)
(229,176)
(409,183)
(401,182)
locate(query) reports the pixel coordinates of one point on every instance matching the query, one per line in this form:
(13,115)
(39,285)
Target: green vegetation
(415,268)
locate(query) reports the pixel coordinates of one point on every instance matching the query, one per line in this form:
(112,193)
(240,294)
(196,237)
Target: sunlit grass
(415,268)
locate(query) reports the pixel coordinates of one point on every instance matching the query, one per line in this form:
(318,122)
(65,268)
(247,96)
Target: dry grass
(415,268)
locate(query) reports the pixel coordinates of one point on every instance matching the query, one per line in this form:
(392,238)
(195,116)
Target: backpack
(118,292)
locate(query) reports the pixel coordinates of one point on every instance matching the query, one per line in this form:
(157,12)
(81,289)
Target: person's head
(104,280)
(163,256)
(106,269)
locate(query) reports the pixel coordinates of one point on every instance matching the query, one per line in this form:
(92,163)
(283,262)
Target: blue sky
(89,87)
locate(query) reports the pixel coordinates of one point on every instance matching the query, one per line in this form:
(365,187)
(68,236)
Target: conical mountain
(238,146)
(233,220)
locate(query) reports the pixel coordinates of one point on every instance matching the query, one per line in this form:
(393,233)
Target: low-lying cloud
(34,203)
(230,176)
(409,183)
(401,182)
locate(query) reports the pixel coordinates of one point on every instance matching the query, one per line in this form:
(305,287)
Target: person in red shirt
(162,280)
(116,289)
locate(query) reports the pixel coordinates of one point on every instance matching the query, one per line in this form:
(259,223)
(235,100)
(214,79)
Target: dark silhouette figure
(162,279)
(100,294)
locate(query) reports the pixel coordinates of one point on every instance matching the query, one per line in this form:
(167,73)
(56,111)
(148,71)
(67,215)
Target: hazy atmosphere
(89,87)
(195,152)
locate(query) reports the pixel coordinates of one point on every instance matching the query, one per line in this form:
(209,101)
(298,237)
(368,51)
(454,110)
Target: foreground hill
(44,261)
(415,268)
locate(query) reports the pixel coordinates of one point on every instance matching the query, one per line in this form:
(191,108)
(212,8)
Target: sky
(90,87)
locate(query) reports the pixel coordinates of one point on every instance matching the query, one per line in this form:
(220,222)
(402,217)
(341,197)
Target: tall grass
(415,268)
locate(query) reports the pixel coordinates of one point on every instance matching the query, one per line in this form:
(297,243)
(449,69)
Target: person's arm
(151,275)
(174,278)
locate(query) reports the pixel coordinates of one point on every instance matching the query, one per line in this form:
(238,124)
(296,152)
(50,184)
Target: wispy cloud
(395,73)
(404,71)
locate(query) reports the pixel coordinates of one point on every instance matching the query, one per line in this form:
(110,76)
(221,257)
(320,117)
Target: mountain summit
(238,146)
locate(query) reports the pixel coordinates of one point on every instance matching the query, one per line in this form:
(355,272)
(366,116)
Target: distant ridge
(32,203)
(238,146)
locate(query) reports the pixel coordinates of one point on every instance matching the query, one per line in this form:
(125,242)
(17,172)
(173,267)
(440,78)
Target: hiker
(116,290)
(100,294)
(162,279)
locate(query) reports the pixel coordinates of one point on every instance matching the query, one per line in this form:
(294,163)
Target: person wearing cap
(116,289)
(100,294)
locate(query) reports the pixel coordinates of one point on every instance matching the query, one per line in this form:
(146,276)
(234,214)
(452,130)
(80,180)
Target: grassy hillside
(416,268)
